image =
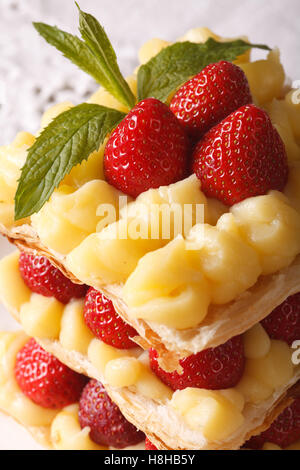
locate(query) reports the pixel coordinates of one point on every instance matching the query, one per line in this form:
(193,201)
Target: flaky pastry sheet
(221,323)
(161,423)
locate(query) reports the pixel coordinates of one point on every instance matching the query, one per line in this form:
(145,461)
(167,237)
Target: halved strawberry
(102,319)
(241,157)
(43,278)
(107,425)
(284,431)
(44,379)
(284,322)
(218,90)
(214,368)
(149,445)
(148,149)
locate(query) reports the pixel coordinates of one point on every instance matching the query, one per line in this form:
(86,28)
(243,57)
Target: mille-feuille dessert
(182,292)
(198,129)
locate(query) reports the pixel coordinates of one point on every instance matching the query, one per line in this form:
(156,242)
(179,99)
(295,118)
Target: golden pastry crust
(221,323)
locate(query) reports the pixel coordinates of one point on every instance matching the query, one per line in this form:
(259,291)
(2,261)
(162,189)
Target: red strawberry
(206,99)
(107,425)
(148,149)
(284,431)
(284,322)
(149,445)
(102,319)
(43,278)
(213,369)
(44,379)
(243,156)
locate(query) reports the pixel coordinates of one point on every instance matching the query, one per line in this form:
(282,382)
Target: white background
(32,74)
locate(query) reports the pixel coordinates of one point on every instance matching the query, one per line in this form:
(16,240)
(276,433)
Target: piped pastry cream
(12,158)
(73,211)
(66,433)
(260,236)
(218,413)
(207,418)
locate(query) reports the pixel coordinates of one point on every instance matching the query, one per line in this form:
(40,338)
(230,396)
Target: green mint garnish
(72,136)
(68,140)
(175,64)
(94,55)
(96,39)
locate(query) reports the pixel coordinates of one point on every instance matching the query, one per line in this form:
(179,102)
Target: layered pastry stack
(159,266)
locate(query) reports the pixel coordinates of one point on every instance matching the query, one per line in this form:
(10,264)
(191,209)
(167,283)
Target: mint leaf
(72,48)
(102,66)
(68,140)
(96,39)
(175,64)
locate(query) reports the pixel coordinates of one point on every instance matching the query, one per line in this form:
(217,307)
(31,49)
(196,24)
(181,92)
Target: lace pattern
(25,62)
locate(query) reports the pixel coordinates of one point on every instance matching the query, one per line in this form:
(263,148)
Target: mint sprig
(94,55)
(96,39)
(175,64)
(68,140)
(72,48)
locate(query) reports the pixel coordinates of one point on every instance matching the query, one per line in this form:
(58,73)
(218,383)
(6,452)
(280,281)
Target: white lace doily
(31,80)
(33,74)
